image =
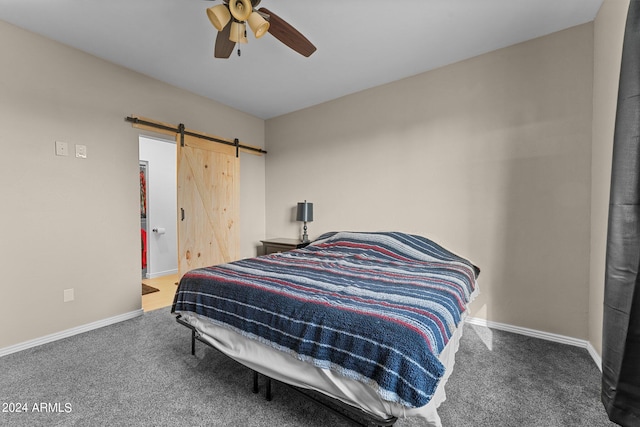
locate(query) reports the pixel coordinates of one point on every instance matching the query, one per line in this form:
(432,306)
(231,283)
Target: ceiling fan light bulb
(258,24)
(219,16)
(240,9)
(238,33)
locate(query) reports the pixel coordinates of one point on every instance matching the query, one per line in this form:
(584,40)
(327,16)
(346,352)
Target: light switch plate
(81,151)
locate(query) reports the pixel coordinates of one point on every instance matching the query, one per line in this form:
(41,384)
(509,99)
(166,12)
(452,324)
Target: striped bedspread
(375,307)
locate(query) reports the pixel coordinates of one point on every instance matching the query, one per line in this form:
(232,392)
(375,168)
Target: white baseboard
(69,332)
(471,320)
(594,355)
(161,273)
(539,334)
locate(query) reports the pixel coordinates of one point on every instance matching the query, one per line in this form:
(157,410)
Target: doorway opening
(158,220)
(159,206)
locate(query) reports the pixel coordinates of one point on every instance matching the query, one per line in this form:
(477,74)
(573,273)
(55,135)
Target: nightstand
(281,245)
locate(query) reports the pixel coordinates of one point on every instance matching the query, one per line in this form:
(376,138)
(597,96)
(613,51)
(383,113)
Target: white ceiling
(361,43)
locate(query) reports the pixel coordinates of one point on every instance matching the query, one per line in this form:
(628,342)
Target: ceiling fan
(231,17)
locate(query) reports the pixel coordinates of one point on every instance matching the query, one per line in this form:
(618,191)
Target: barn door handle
(181,214)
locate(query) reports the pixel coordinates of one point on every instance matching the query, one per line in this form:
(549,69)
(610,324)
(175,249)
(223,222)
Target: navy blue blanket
(375,307)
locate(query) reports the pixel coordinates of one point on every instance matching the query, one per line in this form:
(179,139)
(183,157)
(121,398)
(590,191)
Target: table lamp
(305,214)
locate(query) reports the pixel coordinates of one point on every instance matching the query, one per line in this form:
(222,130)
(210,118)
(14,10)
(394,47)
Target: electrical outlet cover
(62,148)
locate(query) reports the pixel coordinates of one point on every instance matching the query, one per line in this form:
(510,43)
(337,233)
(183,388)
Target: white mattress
(287,369)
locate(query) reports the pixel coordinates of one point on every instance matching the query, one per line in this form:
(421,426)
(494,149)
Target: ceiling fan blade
(283,31)
(224,46)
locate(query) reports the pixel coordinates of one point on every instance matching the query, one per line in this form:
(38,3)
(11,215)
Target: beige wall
(490,157)
(608,36)
(72,223)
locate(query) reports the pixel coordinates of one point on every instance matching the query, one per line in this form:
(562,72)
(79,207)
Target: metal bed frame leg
(267,393)
(193,342)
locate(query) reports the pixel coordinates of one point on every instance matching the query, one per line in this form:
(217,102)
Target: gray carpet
(141,373)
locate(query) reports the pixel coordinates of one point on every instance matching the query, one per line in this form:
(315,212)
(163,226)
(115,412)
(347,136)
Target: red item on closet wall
(143,235)
(143,193)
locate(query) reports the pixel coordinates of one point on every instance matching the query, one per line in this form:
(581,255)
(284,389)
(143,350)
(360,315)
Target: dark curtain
(621,328)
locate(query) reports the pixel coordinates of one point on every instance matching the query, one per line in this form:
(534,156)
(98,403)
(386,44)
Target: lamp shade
(238,33)
(219,16)
(258,25)
(305,212)
(240,9)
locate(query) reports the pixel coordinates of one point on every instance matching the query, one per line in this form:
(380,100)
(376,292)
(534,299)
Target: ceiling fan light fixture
(231,19)
(258,24)
(219,16)
(238,32)
(240,9)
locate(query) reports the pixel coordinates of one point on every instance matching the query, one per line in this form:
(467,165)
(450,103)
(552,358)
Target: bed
(372,321)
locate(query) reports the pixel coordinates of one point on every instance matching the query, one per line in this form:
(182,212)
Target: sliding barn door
(208,203)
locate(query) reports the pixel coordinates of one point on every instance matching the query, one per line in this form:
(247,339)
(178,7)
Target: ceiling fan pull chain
(245,37)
